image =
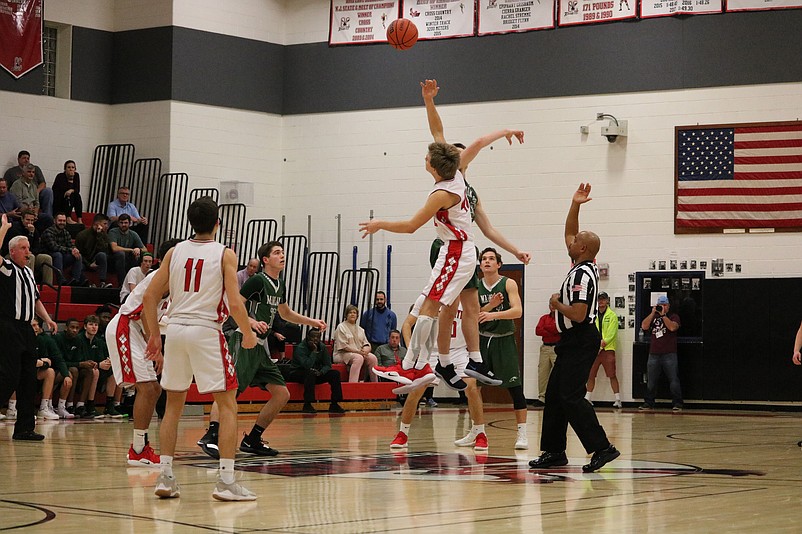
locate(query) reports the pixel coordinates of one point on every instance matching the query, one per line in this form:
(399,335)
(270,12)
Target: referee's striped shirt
(18,292)
(581,285)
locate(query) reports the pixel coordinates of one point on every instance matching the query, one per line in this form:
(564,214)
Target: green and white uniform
(254,366)
(497,338)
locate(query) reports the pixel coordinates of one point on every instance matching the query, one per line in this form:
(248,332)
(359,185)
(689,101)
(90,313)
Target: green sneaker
(111,411)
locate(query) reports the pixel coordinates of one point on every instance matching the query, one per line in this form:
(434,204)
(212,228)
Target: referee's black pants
(565,394)
(18,370)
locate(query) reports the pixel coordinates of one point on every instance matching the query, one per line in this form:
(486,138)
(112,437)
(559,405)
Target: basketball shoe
(167,487)
(232,492)
(480,444)
(480,372)
(449,375)
(400,441)
(396,373)
(146,458)
(260,448)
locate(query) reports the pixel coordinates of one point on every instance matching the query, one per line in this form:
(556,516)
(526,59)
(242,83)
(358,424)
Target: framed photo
(631,278)
(675,283)
(728,267)
(695,284)
(683,265)
(622,322)
(632,288)
(631,323)
(703,264)
(665,283)
(652,265)
(632,309)
(619,302)
(672,264)
(693,264)
(737,267)
(661,265)
(647,284)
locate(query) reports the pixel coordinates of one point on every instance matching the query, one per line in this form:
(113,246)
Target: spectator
(57,242)
(98,351)
(67,193)
(311,364)
(663,326)
(378,321)
(128,242)
(248,271)
(351,346)
(281,332)
(547,329)
(122,204)
(135,275)
(45,194)
(47,350)
(83,370)
(38,258)
(8,201)
(28,196)
(391,353)
(95,248)
(104,318)
(607,324)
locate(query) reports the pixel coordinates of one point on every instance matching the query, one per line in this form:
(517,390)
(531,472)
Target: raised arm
(490,232)
(438,200)
(486,140)
(581,196)
(429,90)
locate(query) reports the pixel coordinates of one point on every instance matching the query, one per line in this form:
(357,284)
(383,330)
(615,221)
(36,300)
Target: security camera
(614,130)
(611,138)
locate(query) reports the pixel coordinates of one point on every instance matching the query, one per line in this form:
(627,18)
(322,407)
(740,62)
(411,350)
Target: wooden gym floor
(697,471)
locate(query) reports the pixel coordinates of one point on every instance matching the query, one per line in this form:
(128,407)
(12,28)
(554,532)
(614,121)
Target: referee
(576,306)
(19,299)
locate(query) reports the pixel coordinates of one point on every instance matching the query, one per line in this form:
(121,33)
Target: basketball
(402,34)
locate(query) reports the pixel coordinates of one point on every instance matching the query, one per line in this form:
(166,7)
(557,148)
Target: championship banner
(504,16)
(20,35)
(573,12)
(357,21)
(440,19)
(761,5)
(738,177)
(662,8)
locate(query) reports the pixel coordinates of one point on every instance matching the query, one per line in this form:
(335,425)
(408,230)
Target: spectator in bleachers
(122,204)
(96,253)
(83,370)
(391,353)
(248,271)
(352,348)
(128,242)
(27,227)
(311,365)
(28,196)
(67,193)
(135,275)
(46,348)
(98,351)
(57,242)
(8,202)
(378,321)
(104,318)
(45,194)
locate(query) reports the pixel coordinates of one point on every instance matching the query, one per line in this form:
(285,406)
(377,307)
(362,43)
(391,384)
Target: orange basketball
(402,34)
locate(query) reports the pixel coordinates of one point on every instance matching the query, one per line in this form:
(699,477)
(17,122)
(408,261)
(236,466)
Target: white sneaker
(47,415)
(467,441)
(617,404)
(167,487)
(522,442)
(232,492)
(2,416)
(64,414)
(11,413)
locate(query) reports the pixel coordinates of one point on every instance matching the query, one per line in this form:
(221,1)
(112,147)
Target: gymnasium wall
(331,131)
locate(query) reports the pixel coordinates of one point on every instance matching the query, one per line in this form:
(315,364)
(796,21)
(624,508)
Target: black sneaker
(600,458)
(549,459)
(28,435)
(260,449)
(308,408)
(480,372)
(449,376)
(336,408)
(537,403)
(208,444)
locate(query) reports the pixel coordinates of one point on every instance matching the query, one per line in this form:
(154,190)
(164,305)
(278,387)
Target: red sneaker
(481,442)
(400,441)
(396,373)
(146,458)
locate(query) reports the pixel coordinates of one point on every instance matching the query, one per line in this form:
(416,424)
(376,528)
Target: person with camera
(663,326)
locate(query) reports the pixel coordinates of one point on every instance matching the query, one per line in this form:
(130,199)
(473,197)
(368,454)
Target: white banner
(503,16)
(437,19)
(357,21)
(662,8)
(572,12)
(755,5)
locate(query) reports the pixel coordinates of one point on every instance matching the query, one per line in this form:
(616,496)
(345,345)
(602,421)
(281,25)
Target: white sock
(618,396)
(79,404)
(587,395)
(417,343)
(405,428)
(62,404)
(475,356)
(139,440)
(477,429)
(522,428)
(50,404)
(445,359)
(68,404)
(227,470)
(166,465)
(12,404)
(43,405)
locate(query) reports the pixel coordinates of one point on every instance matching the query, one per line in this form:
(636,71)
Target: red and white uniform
(456,261)
(125,339)
(195,344)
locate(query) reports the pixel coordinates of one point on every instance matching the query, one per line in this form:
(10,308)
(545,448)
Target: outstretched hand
(582,194)
(5,223)
(429,89)
(518,134)
(370,227)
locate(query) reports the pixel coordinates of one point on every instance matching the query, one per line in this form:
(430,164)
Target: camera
(659,308)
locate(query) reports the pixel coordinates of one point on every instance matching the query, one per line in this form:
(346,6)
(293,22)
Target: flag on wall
(760,5)
(739,176)
(441,19)
(20,35)
(361,21)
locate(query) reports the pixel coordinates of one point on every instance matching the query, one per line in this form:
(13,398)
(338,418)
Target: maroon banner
(20,35)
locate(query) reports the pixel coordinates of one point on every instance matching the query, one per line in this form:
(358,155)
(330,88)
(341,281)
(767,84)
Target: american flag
(739,176)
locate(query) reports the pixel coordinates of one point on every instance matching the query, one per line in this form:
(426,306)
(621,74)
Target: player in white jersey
(198,274)
(126,340)
(454,267)
(459,357)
